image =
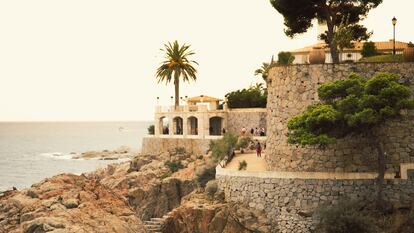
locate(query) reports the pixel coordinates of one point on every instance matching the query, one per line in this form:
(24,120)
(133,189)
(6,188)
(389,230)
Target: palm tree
(176,65)
(264,70)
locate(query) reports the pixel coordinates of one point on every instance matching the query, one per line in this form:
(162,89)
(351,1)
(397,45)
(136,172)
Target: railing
(183,108)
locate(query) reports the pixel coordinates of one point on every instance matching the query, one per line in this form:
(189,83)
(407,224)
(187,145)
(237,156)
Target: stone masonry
(250,118)
(300,179)
(291,203)
(292,88)
(154,145)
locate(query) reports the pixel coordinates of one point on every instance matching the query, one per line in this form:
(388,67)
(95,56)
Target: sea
(33,151)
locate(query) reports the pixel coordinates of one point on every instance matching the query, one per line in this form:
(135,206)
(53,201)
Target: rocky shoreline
(123,152)
(117,198)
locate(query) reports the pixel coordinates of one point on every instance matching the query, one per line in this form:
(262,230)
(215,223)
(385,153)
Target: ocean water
(32,151)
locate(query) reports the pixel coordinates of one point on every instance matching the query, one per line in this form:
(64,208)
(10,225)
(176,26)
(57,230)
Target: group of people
(253,132)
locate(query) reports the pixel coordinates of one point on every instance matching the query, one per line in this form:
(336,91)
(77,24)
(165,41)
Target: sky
(95,60)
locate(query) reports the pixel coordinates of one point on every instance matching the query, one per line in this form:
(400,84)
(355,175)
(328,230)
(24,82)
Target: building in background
(349,54)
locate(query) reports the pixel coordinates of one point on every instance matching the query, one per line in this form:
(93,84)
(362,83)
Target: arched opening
(164,126)
(178,125)
(192,126)
(215,126)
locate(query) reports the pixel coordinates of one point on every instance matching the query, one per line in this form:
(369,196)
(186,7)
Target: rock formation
(67,203)
(199,214)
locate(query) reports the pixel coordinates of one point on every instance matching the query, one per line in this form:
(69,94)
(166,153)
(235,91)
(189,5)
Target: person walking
(243,131)
(258,150)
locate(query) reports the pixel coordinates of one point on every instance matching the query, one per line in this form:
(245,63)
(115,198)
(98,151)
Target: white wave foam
(57,155)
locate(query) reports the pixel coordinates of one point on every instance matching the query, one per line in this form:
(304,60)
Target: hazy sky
(96,59)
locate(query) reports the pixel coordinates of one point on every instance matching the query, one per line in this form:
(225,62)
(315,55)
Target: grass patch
(173,166)
(165,175)
(383,58)
(180,150)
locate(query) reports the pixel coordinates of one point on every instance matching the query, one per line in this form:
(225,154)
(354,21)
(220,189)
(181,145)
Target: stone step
(152,228)
(153,223)
(158,219)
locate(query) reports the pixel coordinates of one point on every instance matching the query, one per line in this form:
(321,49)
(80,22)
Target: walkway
(254,163)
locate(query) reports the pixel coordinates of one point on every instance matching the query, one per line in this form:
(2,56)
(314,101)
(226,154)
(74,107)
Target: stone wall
(157,145)
(291,204)
(249,118)
(292,88)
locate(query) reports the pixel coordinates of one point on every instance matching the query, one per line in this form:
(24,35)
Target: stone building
(202,119)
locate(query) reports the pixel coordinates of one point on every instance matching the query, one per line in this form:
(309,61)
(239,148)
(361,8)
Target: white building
(349,54)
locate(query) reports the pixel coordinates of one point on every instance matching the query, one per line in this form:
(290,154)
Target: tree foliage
(252,97)
(285,58)
(344,217)
(351,106)
(298,16)
(176,65)
(222,147)
(369,49)
(264,69)
(344,35)
(151,129)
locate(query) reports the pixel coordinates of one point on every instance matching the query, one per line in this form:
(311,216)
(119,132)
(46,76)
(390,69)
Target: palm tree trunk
(177,90)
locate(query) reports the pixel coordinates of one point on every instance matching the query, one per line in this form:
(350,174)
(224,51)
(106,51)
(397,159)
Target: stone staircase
(155,225)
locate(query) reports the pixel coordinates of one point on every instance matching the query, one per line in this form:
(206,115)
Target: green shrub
(151,129)
(407,225)
(222,147)
(243,142)
(211,188)
(285,58)
(253,97)
(242,165)
(173,165)
(205,173)
(345,217)
(165,175)
(180,150)
(369,49)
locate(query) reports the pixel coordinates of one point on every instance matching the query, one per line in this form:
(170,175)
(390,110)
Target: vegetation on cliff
(352,106)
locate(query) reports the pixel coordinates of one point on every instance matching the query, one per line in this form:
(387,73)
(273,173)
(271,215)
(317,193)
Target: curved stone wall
(292,88)
(291,203)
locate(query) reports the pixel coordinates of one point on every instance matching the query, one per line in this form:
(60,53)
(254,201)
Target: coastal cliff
(67,203)
(116,198)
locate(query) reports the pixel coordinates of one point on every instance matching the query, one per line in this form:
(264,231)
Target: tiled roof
(381,46)
(202,98)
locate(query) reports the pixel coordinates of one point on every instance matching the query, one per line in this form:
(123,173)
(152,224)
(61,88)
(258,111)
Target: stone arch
(192,125)
(215,125)
(178,125)
(163,125)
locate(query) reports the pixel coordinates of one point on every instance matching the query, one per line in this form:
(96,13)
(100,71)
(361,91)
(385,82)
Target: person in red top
(258,150)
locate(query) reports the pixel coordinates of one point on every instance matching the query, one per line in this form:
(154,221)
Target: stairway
(155,225)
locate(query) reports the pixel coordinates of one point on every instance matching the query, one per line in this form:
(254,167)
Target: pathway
(254,163)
